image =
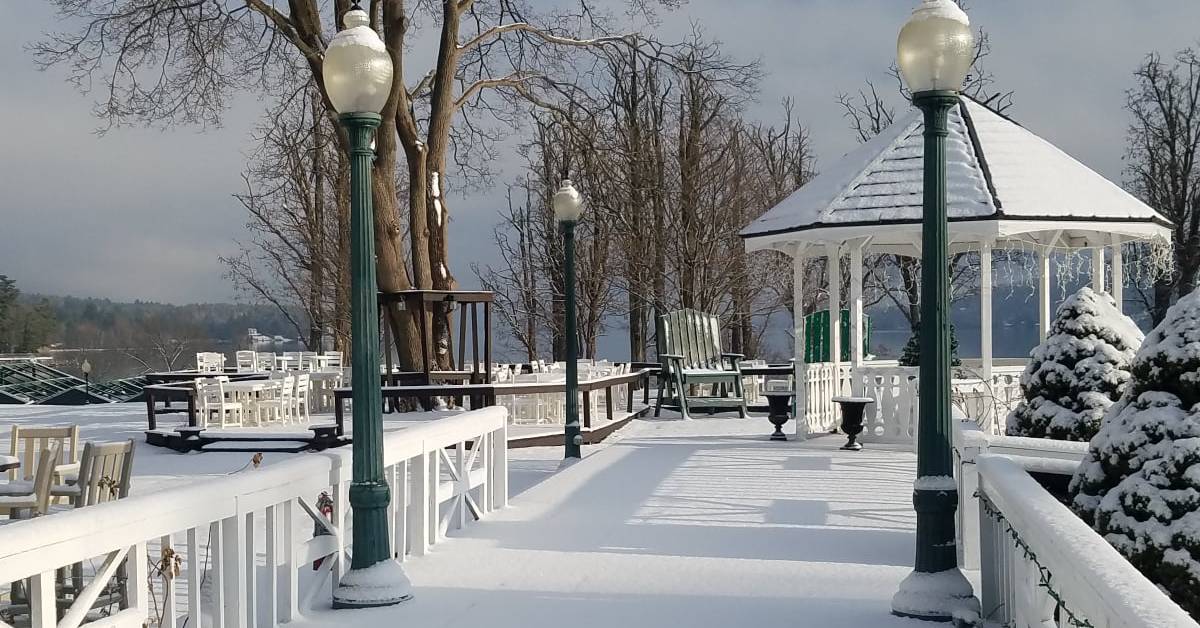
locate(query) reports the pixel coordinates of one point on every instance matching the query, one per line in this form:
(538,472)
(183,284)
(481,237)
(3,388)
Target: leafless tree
(1162,169)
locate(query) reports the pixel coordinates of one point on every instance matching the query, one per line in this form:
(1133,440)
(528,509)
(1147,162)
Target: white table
(249,391)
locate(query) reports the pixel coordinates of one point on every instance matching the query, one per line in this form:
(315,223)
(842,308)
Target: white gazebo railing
(254,547)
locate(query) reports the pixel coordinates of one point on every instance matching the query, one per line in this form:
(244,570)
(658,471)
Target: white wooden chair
(37,501)
(27,444)
(333,359)
(301,397)
(213,401)
(247,361)
(278,406)
(266,362)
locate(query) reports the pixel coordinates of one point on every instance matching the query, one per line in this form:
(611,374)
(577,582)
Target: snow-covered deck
(700,523)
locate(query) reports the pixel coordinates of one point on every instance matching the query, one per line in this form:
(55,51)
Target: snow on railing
(252,548)
(1033,454)
(1041,566)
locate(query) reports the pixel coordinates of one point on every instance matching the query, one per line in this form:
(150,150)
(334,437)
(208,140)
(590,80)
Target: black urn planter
(852,419)
(779,406)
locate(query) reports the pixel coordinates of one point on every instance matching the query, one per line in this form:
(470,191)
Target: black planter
(852,418)
(779,405)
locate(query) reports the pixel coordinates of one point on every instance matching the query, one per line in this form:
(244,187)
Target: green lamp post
(934,53)
(357,73)
(568,206)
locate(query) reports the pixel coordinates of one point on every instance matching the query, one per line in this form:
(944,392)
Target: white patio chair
(247,361)
(266,362)
(333,359)
(301,397)
(277,405)
(26,444)
(37,501)
(213,402)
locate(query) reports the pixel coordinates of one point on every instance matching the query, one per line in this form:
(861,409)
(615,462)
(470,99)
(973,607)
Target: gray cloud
(144,214)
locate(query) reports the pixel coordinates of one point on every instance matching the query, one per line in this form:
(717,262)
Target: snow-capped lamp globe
(934,52)
(568,203)
(357,69)
(935,47)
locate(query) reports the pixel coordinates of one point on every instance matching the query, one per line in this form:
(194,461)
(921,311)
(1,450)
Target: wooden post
(798,364)
(857,341)
(1044,292)
(1098,268)
(833,255)
(1118,274)
(985,310)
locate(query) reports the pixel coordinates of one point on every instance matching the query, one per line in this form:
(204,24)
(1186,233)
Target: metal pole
(369,494)
(572,436)
(935,497)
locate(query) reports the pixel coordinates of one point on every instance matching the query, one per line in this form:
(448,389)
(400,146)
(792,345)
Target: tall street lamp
(568,206)
(358,79)
(934,52)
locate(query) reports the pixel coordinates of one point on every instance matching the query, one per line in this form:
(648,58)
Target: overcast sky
(144,214)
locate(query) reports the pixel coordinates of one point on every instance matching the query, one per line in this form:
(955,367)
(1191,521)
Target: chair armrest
(739,356)
(671,356)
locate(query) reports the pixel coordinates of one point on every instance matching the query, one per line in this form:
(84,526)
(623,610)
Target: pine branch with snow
(1078,372)
(1139,484)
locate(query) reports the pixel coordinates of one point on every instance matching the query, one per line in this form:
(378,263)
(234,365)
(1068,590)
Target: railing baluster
(271,605)
(194,576)
(419,516)
(233,553)
(216,555)
(170,618)
(400,518)
(290,592)
(42,605)
(251,572)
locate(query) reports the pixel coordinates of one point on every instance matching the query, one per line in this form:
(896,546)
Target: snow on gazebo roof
(1003,183)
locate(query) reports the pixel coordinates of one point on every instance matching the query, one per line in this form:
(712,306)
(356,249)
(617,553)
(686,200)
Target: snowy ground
(672,523)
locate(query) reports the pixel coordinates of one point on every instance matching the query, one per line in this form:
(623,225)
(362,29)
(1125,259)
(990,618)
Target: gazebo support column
(1118,274)
(1098,269)
(833,255)
(1044,292)
(801,368)
(857,344)
(985,310)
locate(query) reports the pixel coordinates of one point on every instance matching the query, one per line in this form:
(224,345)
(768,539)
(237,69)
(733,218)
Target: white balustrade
(1043,567)
(1034,454)
(893,416)
(255,547)
(822,382)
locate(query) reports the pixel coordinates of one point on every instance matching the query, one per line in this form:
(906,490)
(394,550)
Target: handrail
(1087,575)
(439,470)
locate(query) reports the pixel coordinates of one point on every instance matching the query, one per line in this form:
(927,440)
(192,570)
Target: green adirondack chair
(689,347)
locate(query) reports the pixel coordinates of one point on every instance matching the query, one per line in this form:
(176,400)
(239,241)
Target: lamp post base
(381,584)
(942,596)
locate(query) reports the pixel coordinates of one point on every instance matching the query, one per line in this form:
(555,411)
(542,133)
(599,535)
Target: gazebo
(1005,188)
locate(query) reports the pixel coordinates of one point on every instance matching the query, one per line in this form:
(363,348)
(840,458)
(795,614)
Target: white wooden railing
(1043,567)
(253,548)
(1036,454)
(823,382)
(1040,565)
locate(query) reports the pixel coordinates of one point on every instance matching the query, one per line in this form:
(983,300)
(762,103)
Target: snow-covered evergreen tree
(1139,484)
(1077,373)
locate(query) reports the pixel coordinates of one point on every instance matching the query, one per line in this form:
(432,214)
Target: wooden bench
(689,346)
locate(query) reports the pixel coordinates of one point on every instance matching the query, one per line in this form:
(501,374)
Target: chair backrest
(266,362)
(692,334)
(287,388)
(43,478)
(334,359)
(104,472)
(302,383)
(211,391)
(247,361)
(28,443)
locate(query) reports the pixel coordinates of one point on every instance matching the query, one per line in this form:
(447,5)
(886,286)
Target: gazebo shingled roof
(1002,183)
